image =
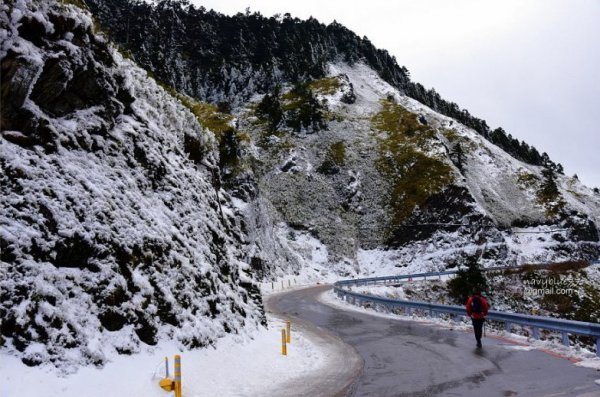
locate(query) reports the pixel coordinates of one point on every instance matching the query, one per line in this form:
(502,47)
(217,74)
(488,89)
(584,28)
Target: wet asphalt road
(403,358)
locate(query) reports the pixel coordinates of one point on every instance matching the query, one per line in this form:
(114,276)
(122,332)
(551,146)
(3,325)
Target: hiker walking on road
(477,308)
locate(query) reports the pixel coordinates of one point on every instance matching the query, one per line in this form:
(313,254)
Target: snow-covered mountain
(134,211)
(331,138)
(114,233)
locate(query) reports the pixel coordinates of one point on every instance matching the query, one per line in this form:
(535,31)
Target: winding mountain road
(404,358)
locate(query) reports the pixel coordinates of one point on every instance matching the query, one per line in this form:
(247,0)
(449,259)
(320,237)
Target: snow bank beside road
(238,366)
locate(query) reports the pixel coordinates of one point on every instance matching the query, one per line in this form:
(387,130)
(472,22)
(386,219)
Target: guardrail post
(507,327)
(565,339)
(456,318)
(598,346)
(536,333)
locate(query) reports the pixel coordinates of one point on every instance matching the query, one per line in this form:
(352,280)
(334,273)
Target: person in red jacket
(477,308)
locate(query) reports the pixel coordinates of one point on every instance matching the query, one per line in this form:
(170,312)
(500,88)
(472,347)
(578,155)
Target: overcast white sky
(529,66)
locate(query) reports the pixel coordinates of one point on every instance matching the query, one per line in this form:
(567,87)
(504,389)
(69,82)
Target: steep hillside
(384,172)
(114,233)
(218,58)
(331,137)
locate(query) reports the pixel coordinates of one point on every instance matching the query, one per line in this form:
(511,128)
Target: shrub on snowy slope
(113,234)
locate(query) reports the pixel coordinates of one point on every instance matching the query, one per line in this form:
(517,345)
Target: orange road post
(288,331)
(283,343)
(177,375)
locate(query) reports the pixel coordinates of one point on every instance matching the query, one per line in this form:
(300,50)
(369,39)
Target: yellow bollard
(177,375)
(167,383)
(288,331)
(283,345)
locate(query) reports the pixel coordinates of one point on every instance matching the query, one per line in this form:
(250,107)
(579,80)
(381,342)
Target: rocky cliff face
(114,233)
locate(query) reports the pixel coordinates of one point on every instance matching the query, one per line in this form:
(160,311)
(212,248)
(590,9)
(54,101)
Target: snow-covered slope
(113,235)
(491,174)
(128,217)
(401,192)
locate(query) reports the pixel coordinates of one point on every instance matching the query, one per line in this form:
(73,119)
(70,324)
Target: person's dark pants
(478,328)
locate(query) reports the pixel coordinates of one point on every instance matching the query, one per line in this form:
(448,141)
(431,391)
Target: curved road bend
(404,358)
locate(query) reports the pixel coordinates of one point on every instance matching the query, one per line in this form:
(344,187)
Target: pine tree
(459,156)
(549,189)
(269,109)
(467,281)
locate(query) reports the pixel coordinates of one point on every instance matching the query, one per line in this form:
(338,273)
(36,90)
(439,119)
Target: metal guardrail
(565,327)
(398,278)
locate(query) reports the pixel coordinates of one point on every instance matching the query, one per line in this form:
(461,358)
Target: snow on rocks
(112,237)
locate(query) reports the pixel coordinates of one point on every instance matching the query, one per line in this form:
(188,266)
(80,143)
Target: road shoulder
(344,364)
